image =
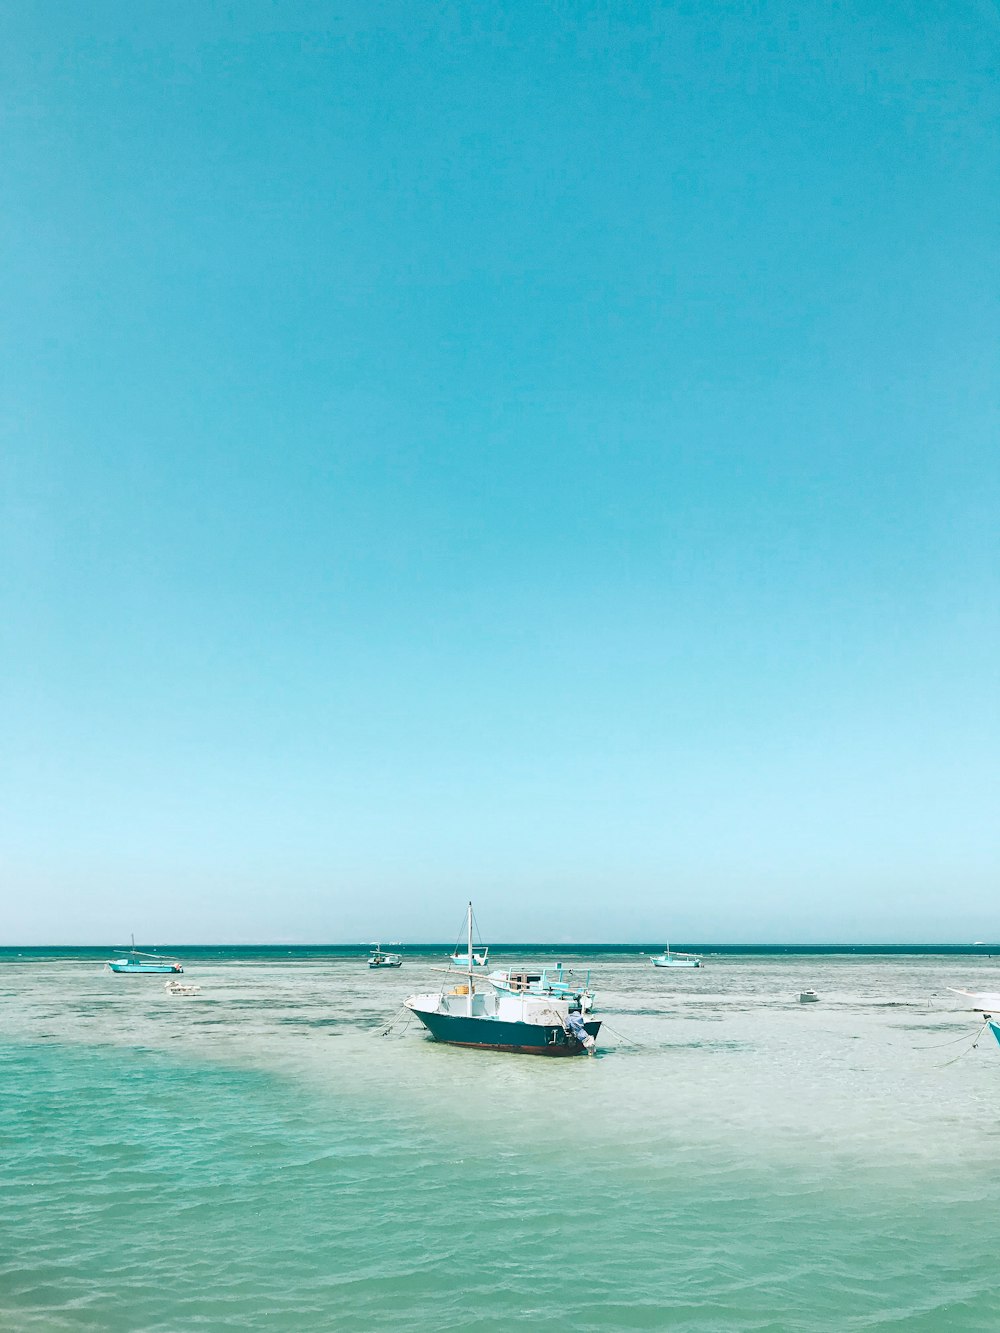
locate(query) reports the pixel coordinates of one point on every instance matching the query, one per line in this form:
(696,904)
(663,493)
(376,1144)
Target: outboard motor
(575,1028)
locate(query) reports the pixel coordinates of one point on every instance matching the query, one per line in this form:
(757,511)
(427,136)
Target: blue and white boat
(462,961)
(134,964)
(556,981)
(499,1021)
(670,959)
(470,957)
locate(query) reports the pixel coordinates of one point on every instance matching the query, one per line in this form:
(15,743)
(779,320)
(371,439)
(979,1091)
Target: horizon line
(521,944)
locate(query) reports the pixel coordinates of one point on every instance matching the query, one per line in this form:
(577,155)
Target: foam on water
(257,1157)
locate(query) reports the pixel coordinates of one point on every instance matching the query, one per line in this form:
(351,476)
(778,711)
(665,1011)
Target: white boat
(180,988)
(668,958)
(808,997)
(380,959)
(470,958)
(983,1001)
(462,960)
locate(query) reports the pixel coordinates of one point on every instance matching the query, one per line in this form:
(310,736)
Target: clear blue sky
(544,452)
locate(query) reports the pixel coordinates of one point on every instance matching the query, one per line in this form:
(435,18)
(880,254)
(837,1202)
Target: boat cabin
(522,981)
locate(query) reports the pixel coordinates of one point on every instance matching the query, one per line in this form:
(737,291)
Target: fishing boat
(470,958)
(134,964)
(549,981)
(461,961)
(808,997)
(500,1021)
(380,959)
(668,958)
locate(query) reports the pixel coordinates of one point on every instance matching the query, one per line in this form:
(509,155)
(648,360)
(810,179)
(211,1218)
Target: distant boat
(531,1024)
(461,960)
(563,984)
(470,958)
(133,963)
(180,988)
(670,959)
(380,959)
(808,997)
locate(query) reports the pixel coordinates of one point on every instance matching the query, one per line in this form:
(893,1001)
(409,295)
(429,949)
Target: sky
(539,452)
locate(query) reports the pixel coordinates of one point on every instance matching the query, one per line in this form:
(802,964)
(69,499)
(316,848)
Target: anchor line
(385,1032)
(621,1035)
(958,1057)
(940,1045)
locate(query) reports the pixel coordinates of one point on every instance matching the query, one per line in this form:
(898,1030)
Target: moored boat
(496,1021)
(136,963)
(468,958)
(530,1024)
(668,958)
(380,959)
(461,961)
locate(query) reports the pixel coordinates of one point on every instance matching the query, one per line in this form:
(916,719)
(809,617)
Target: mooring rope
(940,1045)
(967,1049)
(621,1035)
(386,1031)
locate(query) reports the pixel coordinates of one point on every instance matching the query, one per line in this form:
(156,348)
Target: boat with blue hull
(462,962)
(530,1024)
(136,963)
(464,957)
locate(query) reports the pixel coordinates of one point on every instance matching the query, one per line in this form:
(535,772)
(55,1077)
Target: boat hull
(495,1035)
(675,962)
(145,969)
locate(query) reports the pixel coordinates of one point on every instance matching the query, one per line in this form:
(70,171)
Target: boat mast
(471,983)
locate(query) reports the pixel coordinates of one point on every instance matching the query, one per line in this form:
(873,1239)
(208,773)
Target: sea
(284,1151)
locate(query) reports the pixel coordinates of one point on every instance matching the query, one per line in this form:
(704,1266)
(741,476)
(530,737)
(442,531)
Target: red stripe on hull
(516,1050)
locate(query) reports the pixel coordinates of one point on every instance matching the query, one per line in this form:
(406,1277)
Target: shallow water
(259,1157)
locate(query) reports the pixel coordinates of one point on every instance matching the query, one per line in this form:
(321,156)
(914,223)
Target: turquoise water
(258,1157)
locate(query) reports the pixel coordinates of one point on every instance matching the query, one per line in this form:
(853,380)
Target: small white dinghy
(808,997)
(180,988)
